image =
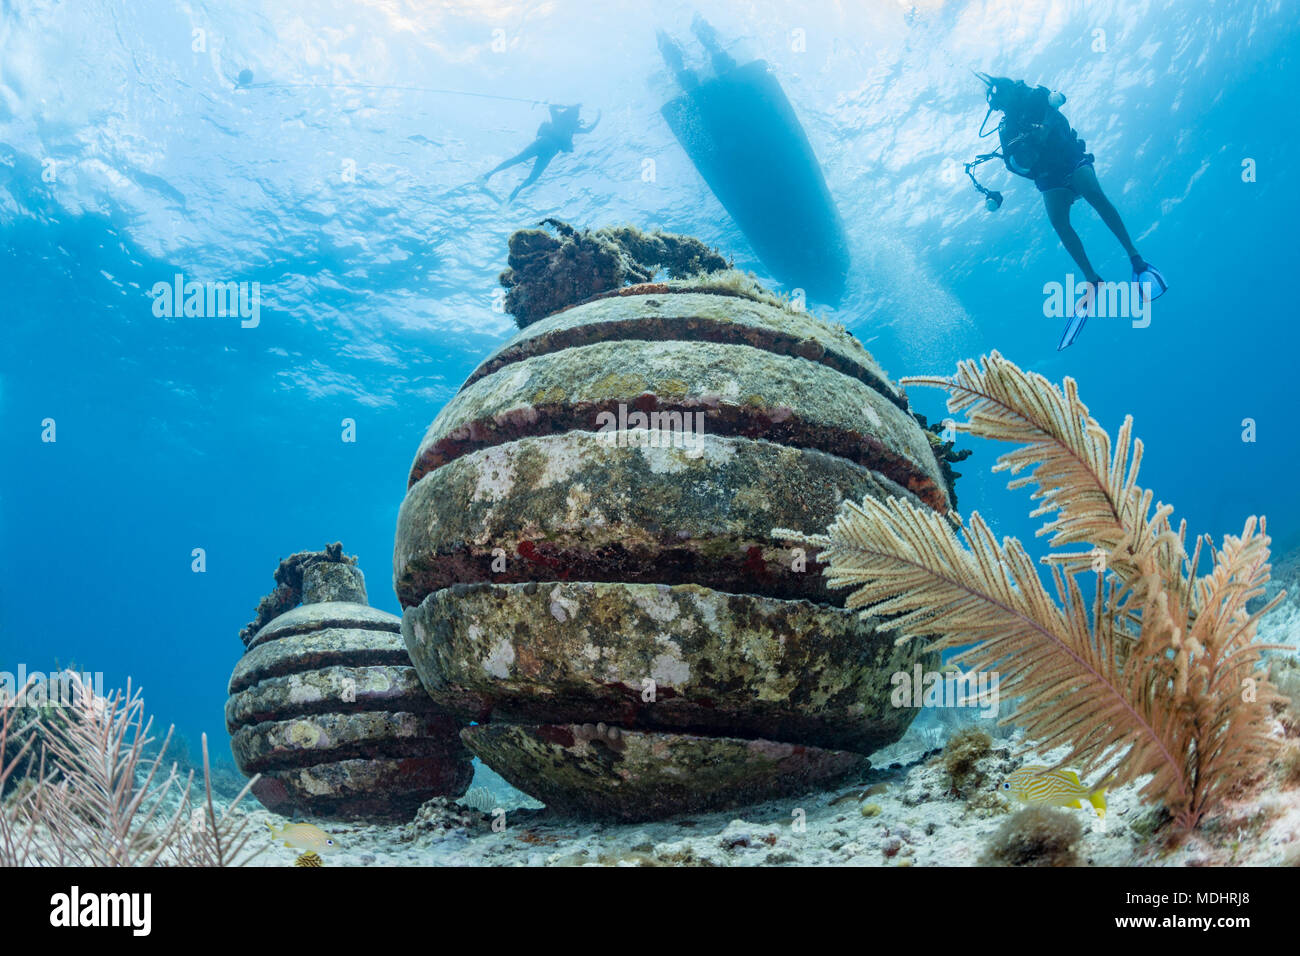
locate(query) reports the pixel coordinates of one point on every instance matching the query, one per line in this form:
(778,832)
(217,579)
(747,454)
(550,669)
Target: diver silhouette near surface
(553,136)
(1039,144)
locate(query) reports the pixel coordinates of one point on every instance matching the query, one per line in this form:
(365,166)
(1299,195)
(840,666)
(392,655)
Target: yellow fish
(1036,784)
(303,836)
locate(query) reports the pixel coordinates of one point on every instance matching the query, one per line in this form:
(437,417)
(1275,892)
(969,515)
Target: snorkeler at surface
(1038,144)
(553,136)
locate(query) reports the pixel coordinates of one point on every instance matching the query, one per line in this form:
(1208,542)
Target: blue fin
(1149,278)
(1078,319)
(1072,330)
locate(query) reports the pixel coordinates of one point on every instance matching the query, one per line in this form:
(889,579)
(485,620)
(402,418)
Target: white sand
(919,823)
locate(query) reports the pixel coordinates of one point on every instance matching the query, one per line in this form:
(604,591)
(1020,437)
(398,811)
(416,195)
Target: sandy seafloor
(920,821)
(918,824)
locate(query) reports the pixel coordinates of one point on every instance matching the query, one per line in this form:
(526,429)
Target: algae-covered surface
(738,390)
(579,506)
(657,656)
(693,316)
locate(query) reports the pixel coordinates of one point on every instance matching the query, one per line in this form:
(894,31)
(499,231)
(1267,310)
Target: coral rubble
(548,272)
(289,578)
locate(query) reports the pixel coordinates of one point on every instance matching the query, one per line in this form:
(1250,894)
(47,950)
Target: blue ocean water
(341,176)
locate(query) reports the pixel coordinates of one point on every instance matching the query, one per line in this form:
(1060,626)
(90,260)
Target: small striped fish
(303,836)
(1037,784)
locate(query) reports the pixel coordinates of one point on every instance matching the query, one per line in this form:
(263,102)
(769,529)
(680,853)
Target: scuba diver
(553,136)
(719,58)
(1038,143)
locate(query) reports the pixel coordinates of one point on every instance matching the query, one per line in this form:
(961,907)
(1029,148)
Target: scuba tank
(1018,156)
(1030,127)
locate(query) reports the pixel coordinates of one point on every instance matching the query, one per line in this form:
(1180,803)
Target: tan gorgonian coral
(1156,672)
(97,799)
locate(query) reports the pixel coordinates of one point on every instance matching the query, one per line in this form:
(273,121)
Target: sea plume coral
(1157,672)
(98,798)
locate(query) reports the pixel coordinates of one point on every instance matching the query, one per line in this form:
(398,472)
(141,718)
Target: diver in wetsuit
(719,58)
(1038,143)
(553,136)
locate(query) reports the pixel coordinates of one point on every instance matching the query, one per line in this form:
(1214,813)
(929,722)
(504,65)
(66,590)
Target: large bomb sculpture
(586,561)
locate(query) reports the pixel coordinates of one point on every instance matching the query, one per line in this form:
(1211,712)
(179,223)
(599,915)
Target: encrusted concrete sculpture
(586,561)
(326,706)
